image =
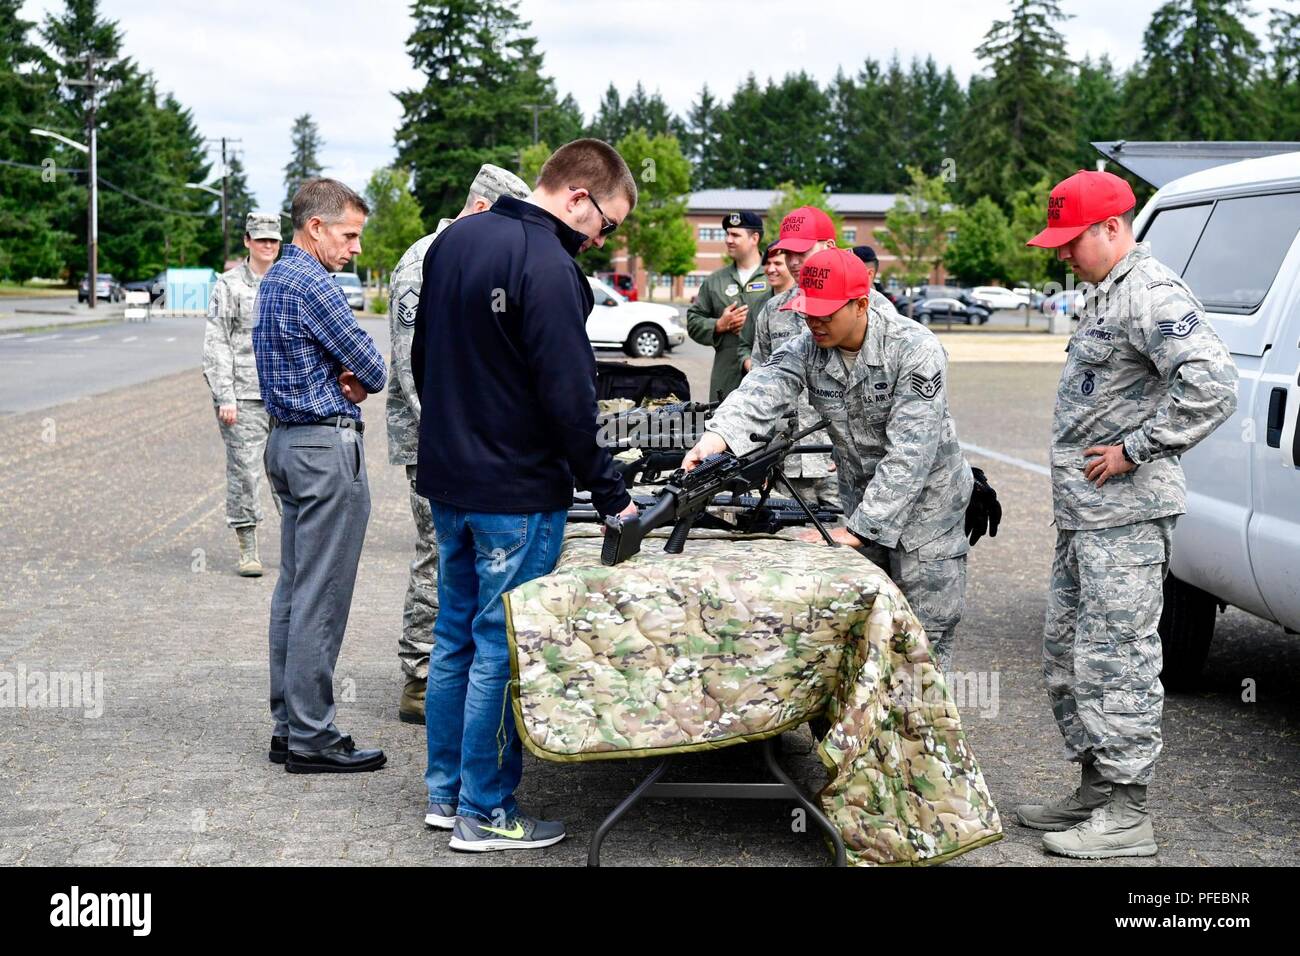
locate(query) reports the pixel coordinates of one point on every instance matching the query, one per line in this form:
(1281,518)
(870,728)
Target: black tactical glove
(983,514)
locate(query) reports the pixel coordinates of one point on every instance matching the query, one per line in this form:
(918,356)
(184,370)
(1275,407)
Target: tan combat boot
(410,709)
(1119,827)
(1076,808)
(250,564)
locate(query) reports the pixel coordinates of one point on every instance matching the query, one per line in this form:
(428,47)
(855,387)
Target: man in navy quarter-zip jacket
(507,385)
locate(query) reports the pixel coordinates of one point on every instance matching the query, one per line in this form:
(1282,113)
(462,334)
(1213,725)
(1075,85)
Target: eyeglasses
(607,225)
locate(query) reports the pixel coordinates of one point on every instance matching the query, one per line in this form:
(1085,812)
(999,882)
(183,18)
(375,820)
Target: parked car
(997,297)
(352,288)
(641,329)
(106,288)
(1067,302)
(1231,233)
(942,308)
(1027,296)
(622,281)
(917,295)
(155,286)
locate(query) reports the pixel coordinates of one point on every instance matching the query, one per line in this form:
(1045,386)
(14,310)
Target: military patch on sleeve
(407,304)
(927,388)
(1180,328)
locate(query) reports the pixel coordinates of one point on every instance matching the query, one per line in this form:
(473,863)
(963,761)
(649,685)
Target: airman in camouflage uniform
(904,484)
(1145,380)
(812,475)
(726,302)
(403,414)
(231,374)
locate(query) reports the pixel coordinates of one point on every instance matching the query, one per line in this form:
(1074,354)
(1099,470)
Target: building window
(692,282)
(712,234)
(851,235)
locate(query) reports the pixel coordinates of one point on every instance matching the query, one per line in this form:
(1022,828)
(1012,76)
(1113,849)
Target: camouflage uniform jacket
(719,290)
(228,362)
(903,480)
(769,330)
(403,404)
(1145,369)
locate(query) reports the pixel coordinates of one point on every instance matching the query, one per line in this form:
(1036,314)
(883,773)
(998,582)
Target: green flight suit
(719,290)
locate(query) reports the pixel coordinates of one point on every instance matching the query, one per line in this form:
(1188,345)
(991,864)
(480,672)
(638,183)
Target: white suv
(641,329)
(1230,231)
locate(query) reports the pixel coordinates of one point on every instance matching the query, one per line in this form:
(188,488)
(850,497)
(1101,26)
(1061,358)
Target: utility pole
(92,237)
(225,175)
(538,109)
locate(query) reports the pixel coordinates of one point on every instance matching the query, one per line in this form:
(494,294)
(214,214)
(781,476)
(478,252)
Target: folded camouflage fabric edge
(904,787)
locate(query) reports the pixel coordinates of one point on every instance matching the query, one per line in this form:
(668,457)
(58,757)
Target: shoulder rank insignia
(927,388)
(1180,328)
(407,304)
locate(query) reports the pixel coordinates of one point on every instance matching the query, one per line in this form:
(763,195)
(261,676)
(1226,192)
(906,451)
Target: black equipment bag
(640,382)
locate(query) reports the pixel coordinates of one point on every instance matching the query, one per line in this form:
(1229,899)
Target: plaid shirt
(305,336)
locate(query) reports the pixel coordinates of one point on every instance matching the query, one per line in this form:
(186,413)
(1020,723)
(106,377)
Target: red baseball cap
(803,228)
(1082,200)
(827,280)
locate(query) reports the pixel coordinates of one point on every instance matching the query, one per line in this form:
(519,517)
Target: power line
(117,189)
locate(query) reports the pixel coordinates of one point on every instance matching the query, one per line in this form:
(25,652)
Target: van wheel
(645,342)
(1186,628)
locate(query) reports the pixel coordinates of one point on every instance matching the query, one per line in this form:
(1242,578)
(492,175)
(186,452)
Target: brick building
(861,213)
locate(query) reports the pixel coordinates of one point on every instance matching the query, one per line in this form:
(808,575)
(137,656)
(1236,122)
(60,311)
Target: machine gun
(748,514)
(687,494)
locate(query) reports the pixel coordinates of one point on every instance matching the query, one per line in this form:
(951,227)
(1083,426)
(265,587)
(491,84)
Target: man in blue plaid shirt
(315,366)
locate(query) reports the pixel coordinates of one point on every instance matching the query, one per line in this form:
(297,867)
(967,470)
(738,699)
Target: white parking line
(86,338)
(46,338)
(172,339)
(130,338)
(13,335)
(1007,459)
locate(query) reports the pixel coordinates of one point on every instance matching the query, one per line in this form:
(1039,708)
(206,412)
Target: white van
(1230,231)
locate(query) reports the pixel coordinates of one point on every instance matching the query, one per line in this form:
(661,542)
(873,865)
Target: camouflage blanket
(738,639)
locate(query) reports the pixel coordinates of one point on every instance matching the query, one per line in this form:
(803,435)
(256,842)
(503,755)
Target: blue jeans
(475,758)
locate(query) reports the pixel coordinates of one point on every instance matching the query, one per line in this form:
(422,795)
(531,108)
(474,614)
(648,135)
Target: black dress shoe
(279,751)
(342,757)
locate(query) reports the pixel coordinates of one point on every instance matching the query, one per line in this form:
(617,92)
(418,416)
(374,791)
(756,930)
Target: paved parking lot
(120,565)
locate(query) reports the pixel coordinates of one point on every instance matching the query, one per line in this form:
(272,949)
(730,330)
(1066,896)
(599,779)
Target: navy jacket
(504,368)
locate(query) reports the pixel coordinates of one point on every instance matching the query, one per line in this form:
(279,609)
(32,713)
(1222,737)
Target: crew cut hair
(590,164)
(327,199)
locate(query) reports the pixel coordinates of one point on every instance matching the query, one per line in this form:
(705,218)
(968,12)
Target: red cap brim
(1054,236)
(817,308)
(793,244)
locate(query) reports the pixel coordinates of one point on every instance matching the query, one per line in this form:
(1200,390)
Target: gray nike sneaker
(519,832)
(440,815)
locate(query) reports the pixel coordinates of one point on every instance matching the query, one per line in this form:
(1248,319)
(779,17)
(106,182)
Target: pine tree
(748,126)
(304,160)
(1098,98)
(483,73)
(701,141)
(240,201)
(35,203)
(1196,80)
(1020,119)
(797,143)
(1281,83)
(608,124)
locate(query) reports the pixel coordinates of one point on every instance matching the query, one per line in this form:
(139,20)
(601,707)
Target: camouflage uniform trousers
(1101,649)
(933,579)
(421,608)
(824,491)
(245,443)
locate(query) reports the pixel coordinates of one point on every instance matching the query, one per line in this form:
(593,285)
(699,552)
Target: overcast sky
(246,68)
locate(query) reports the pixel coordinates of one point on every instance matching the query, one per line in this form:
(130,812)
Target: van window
(1173,233)
(1241,249)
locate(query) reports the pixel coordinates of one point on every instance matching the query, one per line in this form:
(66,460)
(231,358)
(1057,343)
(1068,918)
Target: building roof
(760,201)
